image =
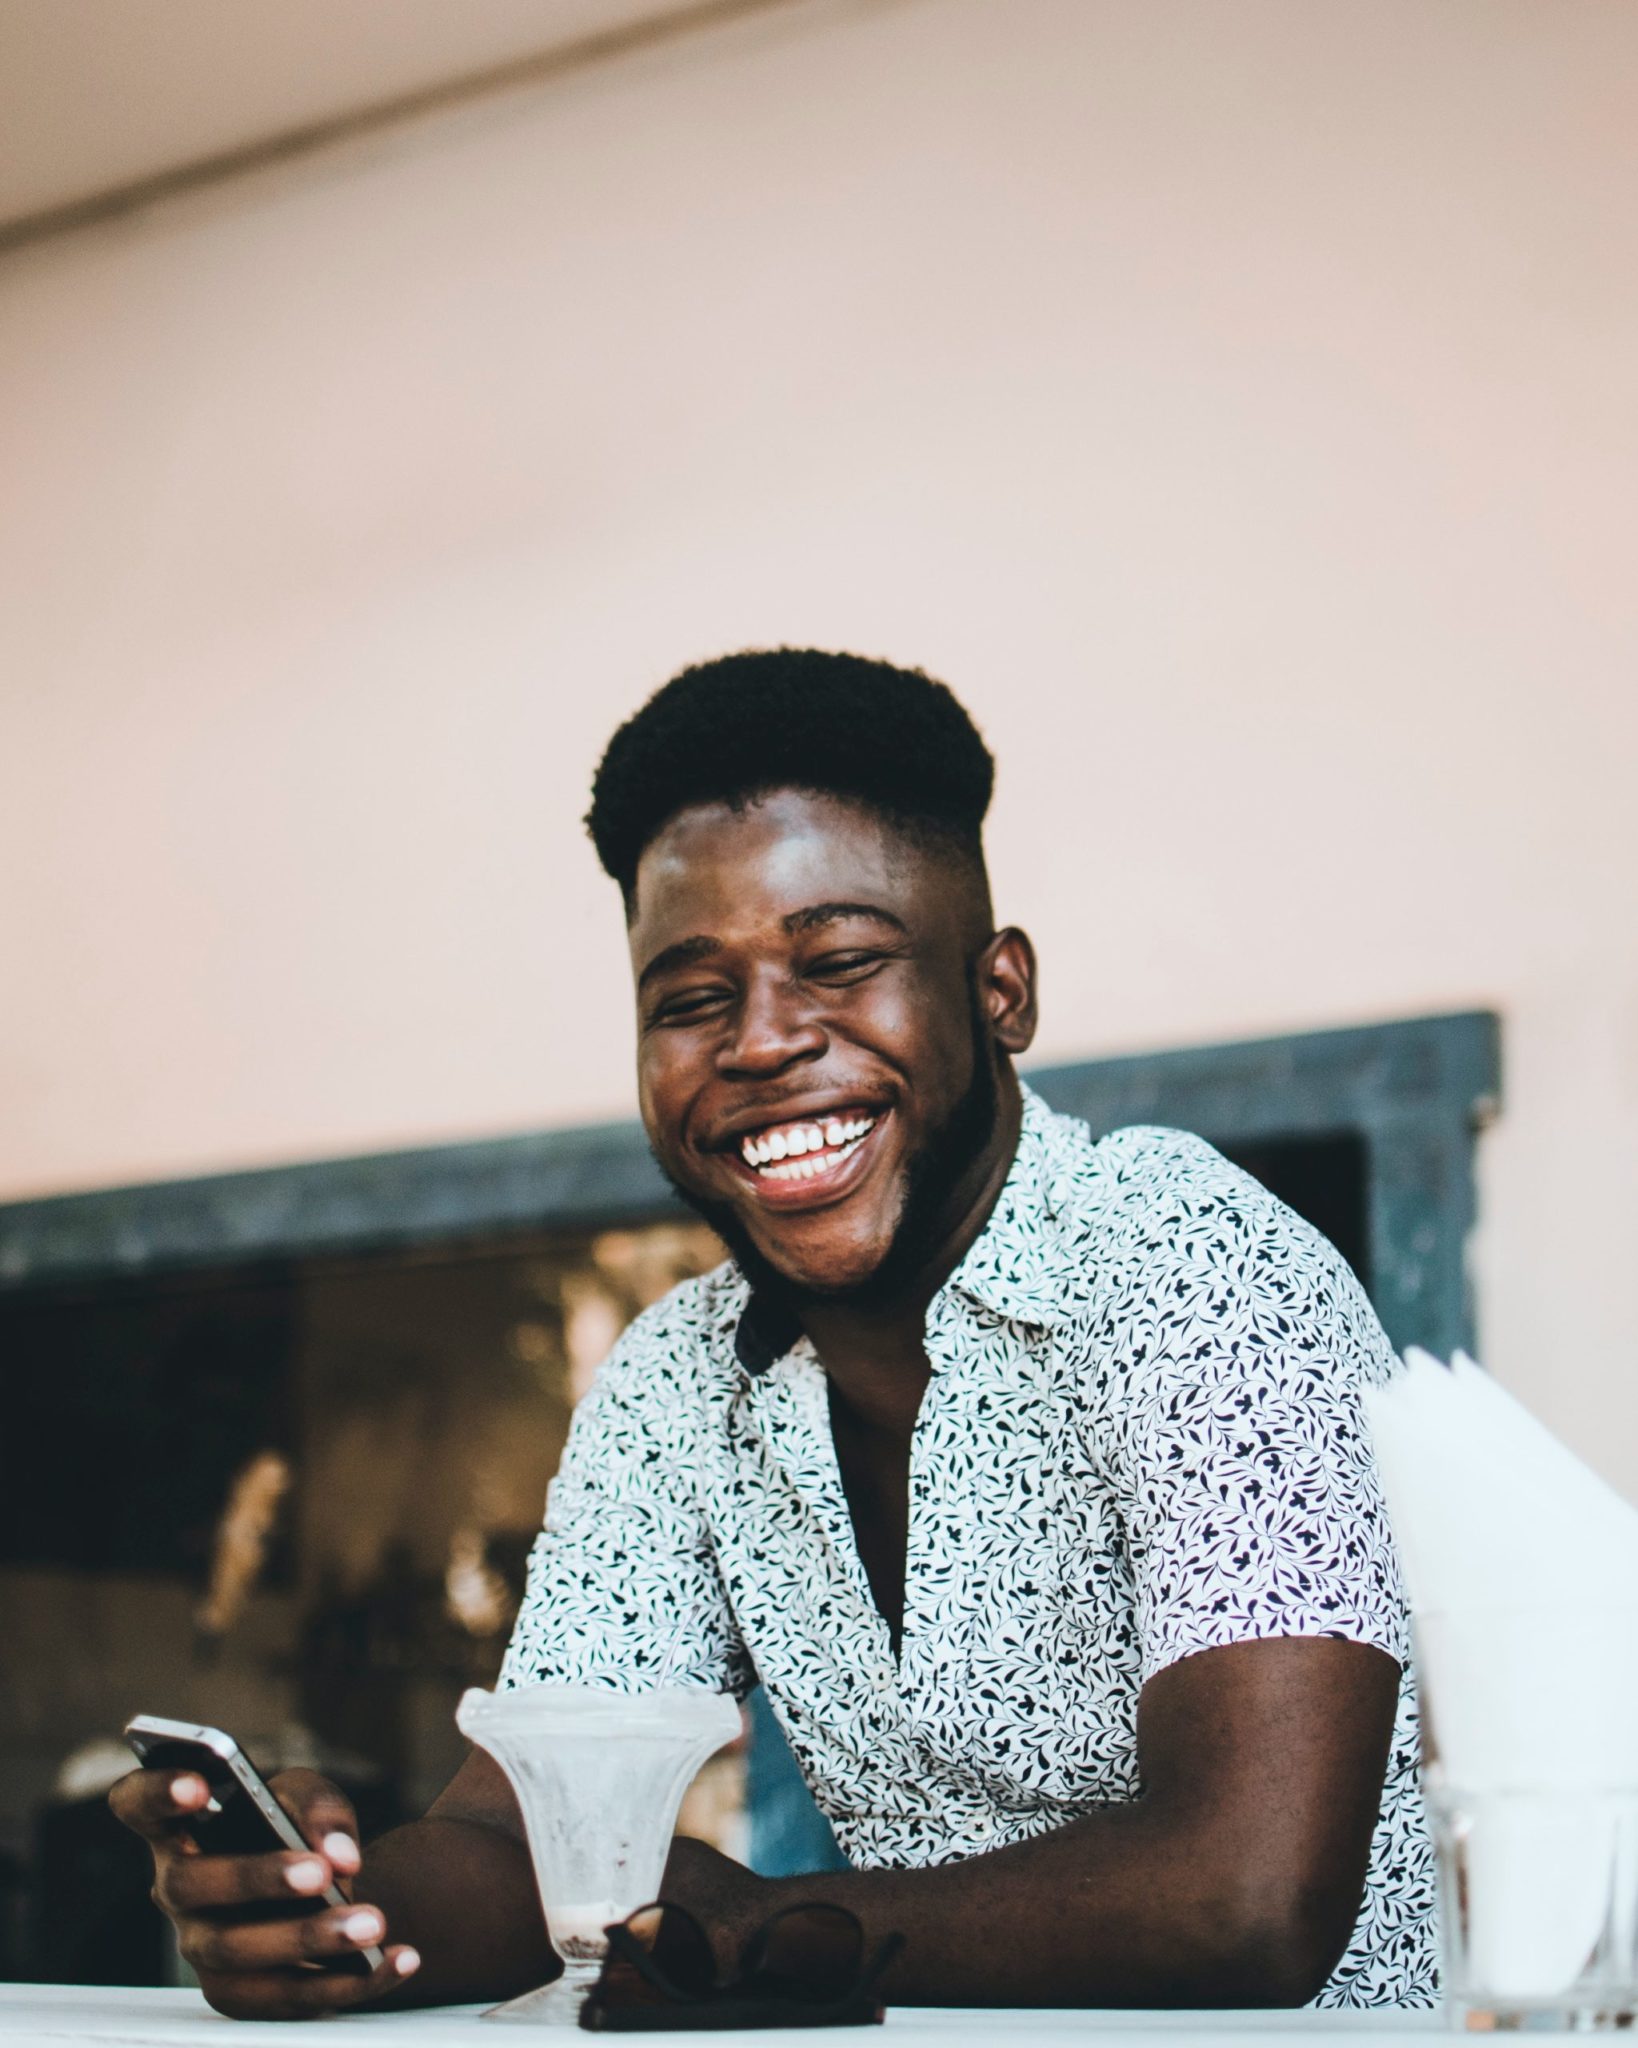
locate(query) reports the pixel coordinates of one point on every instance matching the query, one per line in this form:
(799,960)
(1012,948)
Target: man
(1027,1472)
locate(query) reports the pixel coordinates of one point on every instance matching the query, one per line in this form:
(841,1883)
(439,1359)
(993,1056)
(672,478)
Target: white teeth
(787,1155)
(806,1169)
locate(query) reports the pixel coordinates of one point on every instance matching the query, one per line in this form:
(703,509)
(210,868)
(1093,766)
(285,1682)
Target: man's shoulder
(1150,1157)
(685,1336)
(1137,1176)
(1170,1232)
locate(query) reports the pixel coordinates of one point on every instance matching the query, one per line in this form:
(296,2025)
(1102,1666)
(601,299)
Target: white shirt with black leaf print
(1142,1438)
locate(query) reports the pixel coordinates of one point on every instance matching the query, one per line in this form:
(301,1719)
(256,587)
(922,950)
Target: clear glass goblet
(599,1776)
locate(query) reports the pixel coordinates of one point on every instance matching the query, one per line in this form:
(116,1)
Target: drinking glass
(1538,1906)
(1531,1775)
(599,1776)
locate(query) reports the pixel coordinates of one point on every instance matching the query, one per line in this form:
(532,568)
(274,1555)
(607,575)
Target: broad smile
(809,1162)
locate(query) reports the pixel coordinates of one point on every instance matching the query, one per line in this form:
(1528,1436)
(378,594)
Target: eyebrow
(686,952)
(818,915)
(683,954)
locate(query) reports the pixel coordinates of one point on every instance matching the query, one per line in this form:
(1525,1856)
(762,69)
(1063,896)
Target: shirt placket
(796,1406)
(937,1534)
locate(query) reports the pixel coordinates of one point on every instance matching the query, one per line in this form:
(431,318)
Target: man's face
(811,1039)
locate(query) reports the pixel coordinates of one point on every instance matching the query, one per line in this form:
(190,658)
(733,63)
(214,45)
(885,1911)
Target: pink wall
(1235,405)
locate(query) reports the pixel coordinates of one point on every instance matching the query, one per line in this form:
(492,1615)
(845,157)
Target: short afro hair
(728,731)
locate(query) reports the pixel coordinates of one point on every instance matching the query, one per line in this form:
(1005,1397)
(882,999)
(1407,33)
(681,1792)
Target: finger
(296,1994)
(256,1946)
(206,1884)
(156,1803)
(324,1815)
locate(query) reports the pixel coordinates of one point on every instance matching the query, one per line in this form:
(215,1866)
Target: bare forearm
(463,1892)
(1123,1907)
(1235,1880)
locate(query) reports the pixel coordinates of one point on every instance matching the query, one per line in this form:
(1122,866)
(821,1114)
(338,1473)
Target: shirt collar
(1007,1268)
(1010,1267)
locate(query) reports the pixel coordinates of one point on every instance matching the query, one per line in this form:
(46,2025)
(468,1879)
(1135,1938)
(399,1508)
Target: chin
(821,1268)
(819,1252)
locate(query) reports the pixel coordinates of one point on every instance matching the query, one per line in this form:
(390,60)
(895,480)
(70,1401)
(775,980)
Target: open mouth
(808,1158)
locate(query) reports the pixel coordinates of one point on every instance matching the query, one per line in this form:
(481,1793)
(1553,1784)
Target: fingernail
(189,1791)
(342,1851)
(361,1926)
(407,1960)
(307,1876)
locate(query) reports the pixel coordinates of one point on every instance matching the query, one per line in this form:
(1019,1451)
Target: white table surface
(34,2014)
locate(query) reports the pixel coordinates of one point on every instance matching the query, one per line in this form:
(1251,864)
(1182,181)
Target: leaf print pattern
(1142,1438)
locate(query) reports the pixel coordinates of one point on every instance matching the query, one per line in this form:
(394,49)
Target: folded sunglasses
(806,1967)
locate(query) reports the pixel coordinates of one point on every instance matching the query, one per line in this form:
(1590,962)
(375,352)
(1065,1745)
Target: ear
(1006,989)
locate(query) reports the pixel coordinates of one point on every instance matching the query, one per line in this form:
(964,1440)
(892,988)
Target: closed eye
(687,1007)
(846,967)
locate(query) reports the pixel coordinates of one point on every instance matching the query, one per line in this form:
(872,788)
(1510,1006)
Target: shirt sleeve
(623,1581)
(1237,1442)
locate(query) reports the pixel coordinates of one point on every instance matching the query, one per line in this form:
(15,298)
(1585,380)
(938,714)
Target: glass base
(552,2005)
(1542,2020)
(1474,2016)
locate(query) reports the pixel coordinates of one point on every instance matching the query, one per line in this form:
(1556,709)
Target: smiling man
(1026,1471)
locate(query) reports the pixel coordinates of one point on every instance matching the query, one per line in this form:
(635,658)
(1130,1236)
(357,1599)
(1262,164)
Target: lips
(809,1162)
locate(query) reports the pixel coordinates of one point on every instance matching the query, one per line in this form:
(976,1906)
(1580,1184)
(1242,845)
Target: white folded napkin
(1522,1569)
(1489,1508)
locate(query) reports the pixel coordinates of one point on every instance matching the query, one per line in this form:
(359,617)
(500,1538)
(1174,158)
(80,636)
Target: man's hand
(458,1884)
(233,1919)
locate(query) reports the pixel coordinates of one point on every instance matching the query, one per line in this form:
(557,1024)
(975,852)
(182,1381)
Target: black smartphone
(241,1817)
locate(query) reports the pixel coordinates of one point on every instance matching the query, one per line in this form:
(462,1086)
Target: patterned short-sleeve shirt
(1142,1438)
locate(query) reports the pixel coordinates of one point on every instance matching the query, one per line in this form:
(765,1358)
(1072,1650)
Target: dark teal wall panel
(1417,1092)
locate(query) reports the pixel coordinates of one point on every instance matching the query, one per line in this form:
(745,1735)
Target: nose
(775,1029)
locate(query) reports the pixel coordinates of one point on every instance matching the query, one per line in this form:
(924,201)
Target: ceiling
(97,95)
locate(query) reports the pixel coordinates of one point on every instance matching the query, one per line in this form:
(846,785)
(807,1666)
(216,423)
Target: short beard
(940,1166)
